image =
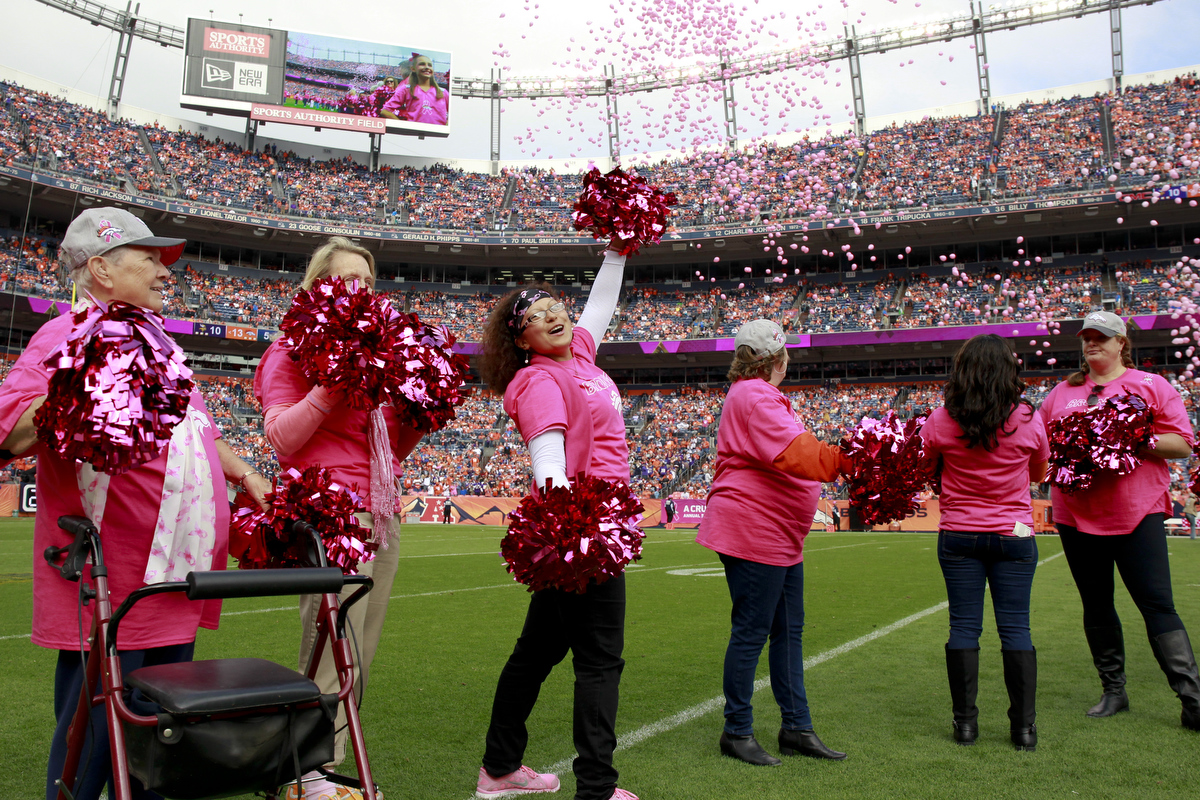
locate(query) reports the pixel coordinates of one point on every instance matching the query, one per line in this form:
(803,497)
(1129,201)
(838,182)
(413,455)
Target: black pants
(592,627)
(1141,557)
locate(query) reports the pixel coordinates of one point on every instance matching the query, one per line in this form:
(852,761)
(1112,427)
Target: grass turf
(455,614)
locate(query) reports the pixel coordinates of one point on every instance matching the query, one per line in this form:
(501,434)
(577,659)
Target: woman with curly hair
(992,445)
(569,414)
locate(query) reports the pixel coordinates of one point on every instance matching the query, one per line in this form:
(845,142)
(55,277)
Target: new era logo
(213,73)
(218,74)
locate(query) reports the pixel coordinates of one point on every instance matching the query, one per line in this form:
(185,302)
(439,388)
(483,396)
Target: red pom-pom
(344,337)
(265,538)
(427,383)
(252,540)
(118,389)
(1103,439)
(891,468)
(354,342)
(567,538)
(622,208)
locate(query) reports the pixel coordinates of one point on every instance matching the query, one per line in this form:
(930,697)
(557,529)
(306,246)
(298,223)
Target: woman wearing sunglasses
(1118,522)
(569,414)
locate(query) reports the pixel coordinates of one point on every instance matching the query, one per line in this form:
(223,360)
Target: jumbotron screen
(315,80)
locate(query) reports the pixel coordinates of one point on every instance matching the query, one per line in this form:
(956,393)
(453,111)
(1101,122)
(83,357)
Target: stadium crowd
(1036,148)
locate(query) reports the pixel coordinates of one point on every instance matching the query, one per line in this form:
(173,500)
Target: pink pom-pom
(569,538)
(354,342)
(623,208)
(261,539)
(1103,439)
(118,388)
(890,467)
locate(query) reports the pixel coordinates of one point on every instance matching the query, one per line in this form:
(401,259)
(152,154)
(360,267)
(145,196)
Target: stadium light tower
(1118,58)
(982,68)
(856,84)
(121,64)
(495,103)
(610,118)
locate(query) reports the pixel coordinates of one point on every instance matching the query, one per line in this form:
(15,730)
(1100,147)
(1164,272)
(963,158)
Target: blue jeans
(1003,563)
(768,603)
(95,766)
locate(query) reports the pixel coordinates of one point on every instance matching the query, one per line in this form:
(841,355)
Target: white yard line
(627,740)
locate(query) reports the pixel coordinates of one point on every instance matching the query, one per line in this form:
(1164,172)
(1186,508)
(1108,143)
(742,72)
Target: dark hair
(984,388)
(501,357)
(1078,378)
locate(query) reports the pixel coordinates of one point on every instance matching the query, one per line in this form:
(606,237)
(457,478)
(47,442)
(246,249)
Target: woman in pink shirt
(1118,522)
(112,256)
(760,506)
(992,445)
(569,414)
(306,424)
(420,99)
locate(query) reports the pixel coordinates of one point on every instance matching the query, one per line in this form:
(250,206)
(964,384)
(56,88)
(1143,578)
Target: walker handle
(263,582)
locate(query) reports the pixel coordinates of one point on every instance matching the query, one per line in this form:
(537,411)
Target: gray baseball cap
(98,230)
(1107,323)
(764,337)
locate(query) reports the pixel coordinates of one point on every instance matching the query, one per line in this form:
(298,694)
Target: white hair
(82,276)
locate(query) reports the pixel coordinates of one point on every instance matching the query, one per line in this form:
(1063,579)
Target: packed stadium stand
(1040,149)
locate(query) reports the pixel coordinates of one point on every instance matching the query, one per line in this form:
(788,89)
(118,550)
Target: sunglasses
(538,316)
(1094,398)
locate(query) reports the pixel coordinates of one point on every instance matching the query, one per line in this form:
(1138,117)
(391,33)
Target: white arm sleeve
(602,299)
(548,452)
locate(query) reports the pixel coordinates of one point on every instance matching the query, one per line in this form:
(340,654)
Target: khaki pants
(363,629)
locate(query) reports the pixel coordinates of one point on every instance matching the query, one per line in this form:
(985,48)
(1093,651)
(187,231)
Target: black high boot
(1108,654)
(1020,676)
(962,668)
(1174,653)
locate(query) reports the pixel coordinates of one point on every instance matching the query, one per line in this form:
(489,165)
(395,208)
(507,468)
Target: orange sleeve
(809,458)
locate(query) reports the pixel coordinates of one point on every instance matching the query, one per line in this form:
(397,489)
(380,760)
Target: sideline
(627,740)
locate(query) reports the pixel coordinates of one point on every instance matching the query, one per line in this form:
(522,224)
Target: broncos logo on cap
(108,231)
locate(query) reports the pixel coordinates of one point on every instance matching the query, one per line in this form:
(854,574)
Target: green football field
(876,680)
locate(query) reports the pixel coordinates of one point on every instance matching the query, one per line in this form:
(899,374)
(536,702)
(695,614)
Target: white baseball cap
(98,230)
(763,337)
(1107,323)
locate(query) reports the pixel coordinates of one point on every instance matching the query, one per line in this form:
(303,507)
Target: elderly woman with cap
(113,256)
(1118,522)
(569,414)
(769,469)
(307,425)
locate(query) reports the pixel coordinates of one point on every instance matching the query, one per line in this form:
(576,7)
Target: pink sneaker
(621,794)
(523,781)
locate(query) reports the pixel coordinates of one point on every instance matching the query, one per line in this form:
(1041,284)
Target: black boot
(1020,676)
(746,748)
(1108,654)
(1174,653)
(962,668)
(805,743)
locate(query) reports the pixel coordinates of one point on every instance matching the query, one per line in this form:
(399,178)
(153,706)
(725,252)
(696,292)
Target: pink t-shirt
(415,104)
(130,513)
(987,491)
(340,443)
(755,511)
(1116,504)
(538,407)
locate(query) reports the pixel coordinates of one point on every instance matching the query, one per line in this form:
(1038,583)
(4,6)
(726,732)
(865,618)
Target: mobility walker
(228,726)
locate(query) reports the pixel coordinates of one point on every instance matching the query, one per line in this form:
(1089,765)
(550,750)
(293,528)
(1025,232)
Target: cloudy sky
(567,38)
